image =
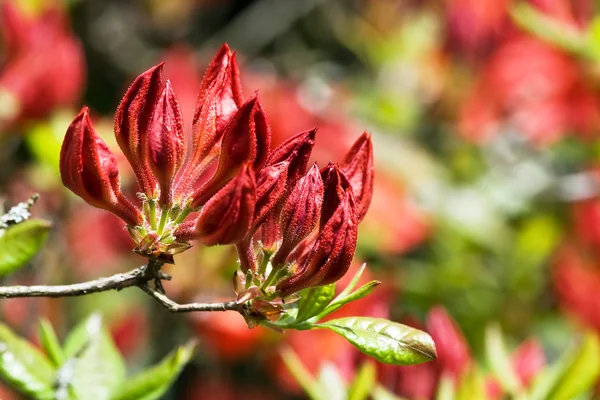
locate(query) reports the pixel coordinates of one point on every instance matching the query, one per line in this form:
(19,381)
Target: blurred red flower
(43,67)
(576,277)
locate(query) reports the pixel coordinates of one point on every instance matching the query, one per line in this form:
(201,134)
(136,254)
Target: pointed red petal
(227,217)
(358,168)
(166,141)
(131,124)
(89,169)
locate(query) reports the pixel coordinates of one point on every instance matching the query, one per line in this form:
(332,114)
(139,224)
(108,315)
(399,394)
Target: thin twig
(190,307)
(137,277)
(114,282)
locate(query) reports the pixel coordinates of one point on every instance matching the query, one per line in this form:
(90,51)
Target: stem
(262,269)
(152,216)
(115,282)
(163,220)
(137,277)
(190,307)
(274,276)
(186,211)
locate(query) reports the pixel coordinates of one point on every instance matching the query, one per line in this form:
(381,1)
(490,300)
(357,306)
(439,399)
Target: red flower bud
(301,213)
(246,140)
(131,124)
(270,188)
(358,168)
(335,185)
(89,169)
(331,255)
(219,99)
(227,216)
(297,151)
(223,77)
(166,141)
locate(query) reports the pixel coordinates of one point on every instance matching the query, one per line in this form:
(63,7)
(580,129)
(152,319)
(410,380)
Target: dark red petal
(335,187)
(332,253)
(358,168)
(219,99)
(297,151)
(131,124)
(301,213)
(89,169)
(270,188)
(166,142)
(246,141)
(227,216)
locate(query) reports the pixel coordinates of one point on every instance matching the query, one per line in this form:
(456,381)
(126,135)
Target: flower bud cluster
(293,227)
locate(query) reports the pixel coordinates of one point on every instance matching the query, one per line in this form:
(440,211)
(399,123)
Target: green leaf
(582,372)
(24,367)
(154,382)
(359,293)
(20,243)
(386,341)
(50,343)
(363,382)
(312,388)
(499,360)
(352,283)
(98,368)
(313,301)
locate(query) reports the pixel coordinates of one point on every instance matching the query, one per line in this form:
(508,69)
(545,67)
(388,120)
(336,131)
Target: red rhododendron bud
(223,77)
(331,255)
(89,169)
(219,99)
(131,125)
(270,188)
(301,213)
(335,185)
(358,168)
(297,151)
(227,216)
(246,140)
(452,350)
(166,141)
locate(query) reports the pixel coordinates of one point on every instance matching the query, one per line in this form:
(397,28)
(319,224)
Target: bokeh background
(485,116)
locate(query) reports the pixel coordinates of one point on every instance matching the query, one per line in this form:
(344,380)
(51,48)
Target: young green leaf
(359,293)
(314,300)
(386,341)
(20,243)
(24,367)
(154,382)
(352,283)
(499,360)
(582,372)
(98,367)
(363,382)
(50,343)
